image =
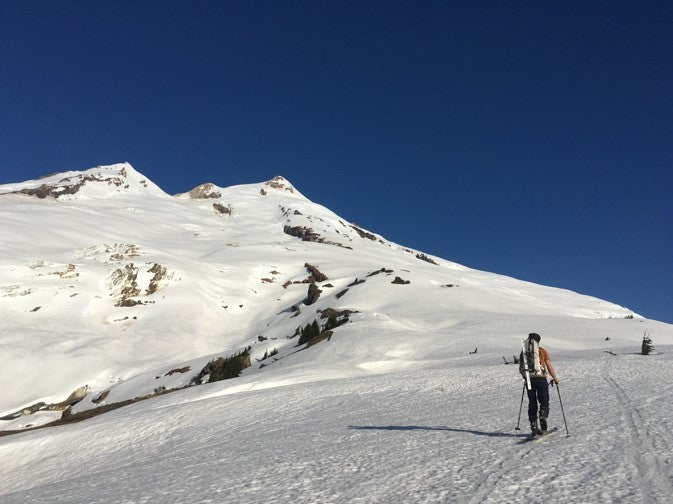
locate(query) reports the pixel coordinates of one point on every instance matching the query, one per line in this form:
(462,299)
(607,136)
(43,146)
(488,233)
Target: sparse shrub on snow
(268,354)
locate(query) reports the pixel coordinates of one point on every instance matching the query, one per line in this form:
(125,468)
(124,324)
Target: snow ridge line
(655,485)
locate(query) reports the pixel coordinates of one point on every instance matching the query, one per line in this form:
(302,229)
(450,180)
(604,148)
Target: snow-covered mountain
(112,290)
(104,277)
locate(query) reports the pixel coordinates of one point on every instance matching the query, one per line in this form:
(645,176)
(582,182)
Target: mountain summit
(108,284)
(96,182)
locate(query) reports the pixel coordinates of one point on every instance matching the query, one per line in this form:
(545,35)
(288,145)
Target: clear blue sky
(532,139)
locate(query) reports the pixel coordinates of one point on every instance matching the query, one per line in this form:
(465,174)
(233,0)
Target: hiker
(539,364)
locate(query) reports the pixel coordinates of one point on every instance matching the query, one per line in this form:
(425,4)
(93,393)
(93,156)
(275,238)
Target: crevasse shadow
(431,428)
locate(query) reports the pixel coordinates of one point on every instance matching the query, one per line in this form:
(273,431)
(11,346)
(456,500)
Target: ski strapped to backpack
(524,356)
(533,357)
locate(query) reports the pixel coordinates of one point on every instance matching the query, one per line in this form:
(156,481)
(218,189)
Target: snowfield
(438,433)
(113,289)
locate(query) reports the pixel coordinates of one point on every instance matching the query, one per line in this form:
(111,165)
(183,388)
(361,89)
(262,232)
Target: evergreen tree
(331,323)
(224,368)
(309,332)
(646,348)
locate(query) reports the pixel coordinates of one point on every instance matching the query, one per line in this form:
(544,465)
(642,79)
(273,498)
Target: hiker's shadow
(431,428)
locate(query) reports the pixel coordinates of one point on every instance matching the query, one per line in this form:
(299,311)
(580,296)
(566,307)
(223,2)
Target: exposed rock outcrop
(72,184)
(313,294)
(363,234)
(221,209)
(341,294)
(425,258)
(204,191)
(336,313)
(308,234)
(400,281)
(124,284)
(76,396)
(159,272)
(382,270)
(304,233)
(279,182)
(316,274)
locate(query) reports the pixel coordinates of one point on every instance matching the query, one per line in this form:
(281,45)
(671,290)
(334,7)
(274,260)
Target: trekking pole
(520,407)
(562,412)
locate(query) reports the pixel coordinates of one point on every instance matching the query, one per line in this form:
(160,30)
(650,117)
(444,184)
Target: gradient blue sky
(532,139)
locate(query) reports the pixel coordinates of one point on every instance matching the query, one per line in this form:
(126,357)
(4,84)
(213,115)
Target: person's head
(534,336)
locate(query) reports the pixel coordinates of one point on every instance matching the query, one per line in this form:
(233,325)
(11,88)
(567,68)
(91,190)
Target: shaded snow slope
(108,282)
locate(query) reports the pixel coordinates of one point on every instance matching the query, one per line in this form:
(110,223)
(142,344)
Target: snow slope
(108,282)
(441,433)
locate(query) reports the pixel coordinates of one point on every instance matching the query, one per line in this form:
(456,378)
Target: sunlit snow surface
(393,408)
(438,434)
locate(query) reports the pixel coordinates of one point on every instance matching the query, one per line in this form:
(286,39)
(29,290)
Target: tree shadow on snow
(429,428)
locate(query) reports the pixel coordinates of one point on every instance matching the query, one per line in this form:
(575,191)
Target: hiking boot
(544,412)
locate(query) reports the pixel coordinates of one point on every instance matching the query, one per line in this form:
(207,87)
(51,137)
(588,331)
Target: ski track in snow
(643,447)
(501,466)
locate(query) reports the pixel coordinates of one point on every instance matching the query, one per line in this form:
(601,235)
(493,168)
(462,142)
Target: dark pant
(539,392)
